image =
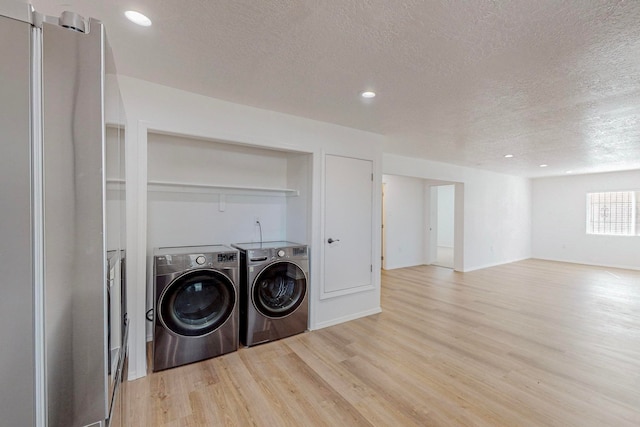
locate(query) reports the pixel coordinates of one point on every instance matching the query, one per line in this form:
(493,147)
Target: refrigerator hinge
(69,20)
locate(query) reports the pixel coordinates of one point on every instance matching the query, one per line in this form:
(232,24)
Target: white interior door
(348,221)
(433,225)
(383,248)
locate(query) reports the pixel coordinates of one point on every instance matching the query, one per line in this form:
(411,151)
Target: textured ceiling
(549,81)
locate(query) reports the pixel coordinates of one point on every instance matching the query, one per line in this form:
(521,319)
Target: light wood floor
(532,343)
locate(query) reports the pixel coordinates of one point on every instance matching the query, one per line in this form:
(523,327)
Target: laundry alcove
(205,192)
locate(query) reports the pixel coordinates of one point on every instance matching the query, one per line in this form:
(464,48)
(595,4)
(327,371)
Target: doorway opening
(410,234)
(442,226)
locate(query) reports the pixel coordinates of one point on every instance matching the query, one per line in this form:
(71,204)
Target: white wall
(299,176)
(186,218)
(405,228)
(559,221)
(159,109)
(497,209)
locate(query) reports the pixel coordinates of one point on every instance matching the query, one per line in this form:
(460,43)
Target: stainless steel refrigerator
(62,310)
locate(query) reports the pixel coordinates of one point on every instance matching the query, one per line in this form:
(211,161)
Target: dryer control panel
(263,255)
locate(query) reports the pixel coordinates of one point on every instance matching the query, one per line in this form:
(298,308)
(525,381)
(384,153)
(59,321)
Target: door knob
(330,240)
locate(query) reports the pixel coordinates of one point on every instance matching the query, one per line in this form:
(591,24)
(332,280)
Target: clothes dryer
(274,290)
(196,304)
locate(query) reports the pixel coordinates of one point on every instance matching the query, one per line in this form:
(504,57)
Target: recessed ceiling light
(137,18)
(543,166)
(508,156)
(569,172)
(368,94)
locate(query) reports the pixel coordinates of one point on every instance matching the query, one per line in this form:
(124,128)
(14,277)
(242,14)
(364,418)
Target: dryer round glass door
(197,303)
(279,289)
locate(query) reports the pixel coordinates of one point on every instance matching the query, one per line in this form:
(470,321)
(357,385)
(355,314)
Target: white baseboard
(343,319)
(569,261)
(480,267)
(396,267)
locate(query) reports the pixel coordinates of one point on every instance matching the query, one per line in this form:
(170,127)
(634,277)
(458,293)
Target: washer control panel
(171,259)
(228,257)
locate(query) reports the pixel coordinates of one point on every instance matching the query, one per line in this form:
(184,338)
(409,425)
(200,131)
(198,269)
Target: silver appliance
(274,290)
(59,119)
(195,304)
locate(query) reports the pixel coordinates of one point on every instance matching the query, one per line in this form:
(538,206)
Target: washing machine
(274,289)
(196,304)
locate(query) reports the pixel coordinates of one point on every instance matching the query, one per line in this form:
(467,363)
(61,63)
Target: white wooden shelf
(222,191)
(188,187)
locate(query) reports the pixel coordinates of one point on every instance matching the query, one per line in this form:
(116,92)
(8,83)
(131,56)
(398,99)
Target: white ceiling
(464,82)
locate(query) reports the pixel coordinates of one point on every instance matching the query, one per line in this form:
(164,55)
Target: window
(612,213)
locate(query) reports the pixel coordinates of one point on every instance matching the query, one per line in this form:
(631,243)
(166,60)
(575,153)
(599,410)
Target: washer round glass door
(197,303)
(279,289)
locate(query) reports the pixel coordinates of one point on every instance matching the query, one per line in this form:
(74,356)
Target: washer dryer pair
(195,304)
(273,290)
